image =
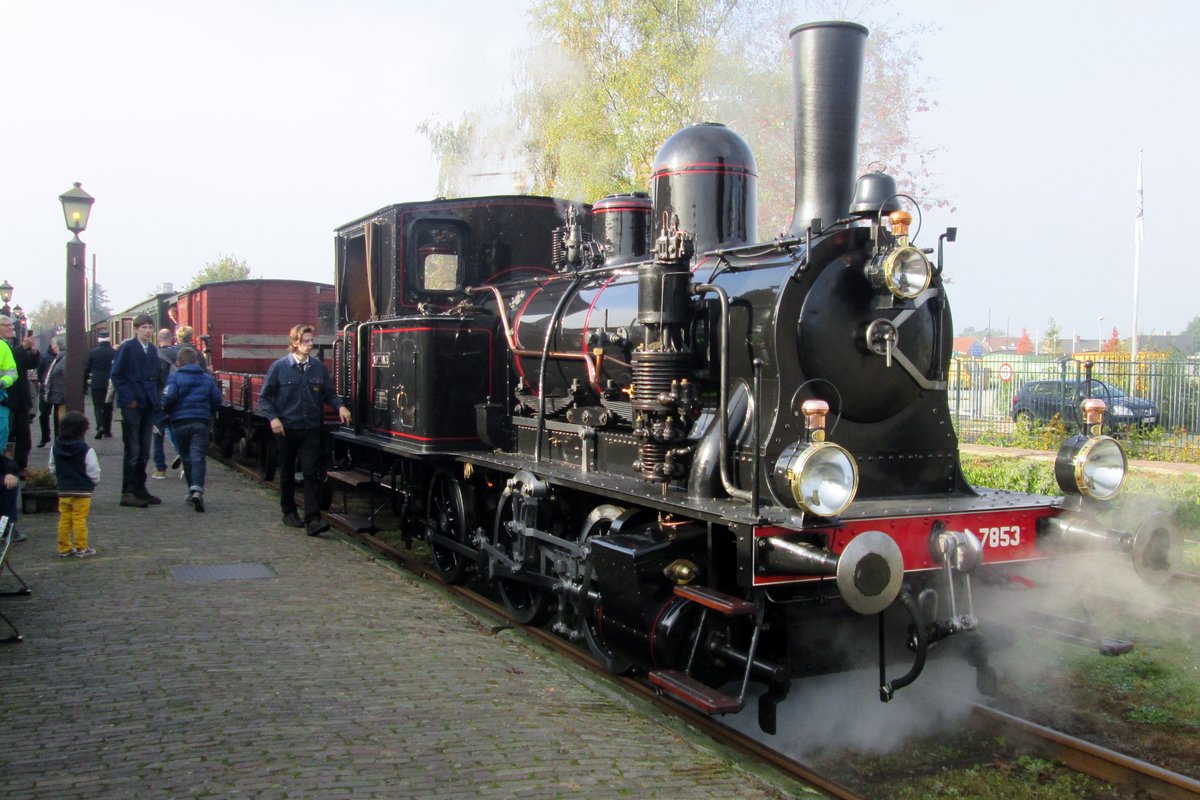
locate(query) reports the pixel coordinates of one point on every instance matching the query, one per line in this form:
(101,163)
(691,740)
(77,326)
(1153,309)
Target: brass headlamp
(902,270)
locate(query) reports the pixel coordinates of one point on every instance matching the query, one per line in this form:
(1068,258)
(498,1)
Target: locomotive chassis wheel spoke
(596,525)
(448,515)
(525,603)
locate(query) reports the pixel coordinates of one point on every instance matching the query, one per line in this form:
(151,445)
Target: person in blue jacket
(190,399)
(293,398)
(134,378)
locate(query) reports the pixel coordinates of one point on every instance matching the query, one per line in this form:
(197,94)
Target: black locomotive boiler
(706,456)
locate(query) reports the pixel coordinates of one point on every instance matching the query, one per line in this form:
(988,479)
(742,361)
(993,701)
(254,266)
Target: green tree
(47,316)
(100,303)
(1193,330)
(610,80)
(452,142)
(225,268)
(633,74)
(1050,340)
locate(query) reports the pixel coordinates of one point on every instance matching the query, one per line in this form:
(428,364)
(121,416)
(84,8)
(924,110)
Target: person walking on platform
(185,335)
(45,362)
(20,402)
(191,399)
(77,471)
(162,425)
(293,398)
(54,387)
(8,376)
(135,379)
(99,365)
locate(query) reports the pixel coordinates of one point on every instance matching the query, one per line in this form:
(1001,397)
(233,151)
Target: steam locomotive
(704,456)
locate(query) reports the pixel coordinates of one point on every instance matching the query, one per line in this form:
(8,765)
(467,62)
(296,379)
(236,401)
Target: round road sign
(1006,372)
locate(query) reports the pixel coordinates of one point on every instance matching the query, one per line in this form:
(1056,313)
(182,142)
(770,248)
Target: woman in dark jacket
(45,361)
(54,388)
(190,400)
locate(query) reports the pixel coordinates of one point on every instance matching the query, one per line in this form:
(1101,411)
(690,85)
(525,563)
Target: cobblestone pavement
(334,676)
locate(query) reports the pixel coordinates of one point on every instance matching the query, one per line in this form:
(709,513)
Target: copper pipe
(515,348)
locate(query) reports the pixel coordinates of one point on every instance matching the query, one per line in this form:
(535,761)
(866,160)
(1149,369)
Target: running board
(692,692)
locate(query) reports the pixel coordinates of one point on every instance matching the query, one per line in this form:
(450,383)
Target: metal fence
(981,392)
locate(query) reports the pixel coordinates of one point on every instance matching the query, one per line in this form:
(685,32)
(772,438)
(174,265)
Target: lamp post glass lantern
(6,291)
(77,207)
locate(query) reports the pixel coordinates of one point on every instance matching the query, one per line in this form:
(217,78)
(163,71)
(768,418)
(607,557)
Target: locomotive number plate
(1000,536)
(381,359)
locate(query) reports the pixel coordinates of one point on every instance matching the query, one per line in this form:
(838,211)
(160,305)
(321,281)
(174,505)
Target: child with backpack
(77,471)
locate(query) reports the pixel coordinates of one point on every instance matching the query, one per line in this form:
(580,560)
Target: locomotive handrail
(723,401)
(545,357)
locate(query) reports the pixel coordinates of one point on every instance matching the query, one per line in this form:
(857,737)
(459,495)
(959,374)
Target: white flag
(1137,214)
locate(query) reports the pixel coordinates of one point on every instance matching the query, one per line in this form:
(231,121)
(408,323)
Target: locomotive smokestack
(827,61)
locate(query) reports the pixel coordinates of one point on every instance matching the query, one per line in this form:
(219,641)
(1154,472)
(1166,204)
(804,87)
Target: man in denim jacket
(293,397)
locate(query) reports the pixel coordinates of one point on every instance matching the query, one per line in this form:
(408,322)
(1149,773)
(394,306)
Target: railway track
(1141,779)
(1138,777)
(726,736)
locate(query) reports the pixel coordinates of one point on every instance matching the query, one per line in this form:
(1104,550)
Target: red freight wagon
(242,326)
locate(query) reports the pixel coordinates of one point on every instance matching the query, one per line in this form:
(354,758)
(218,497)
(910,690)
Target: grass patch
(1150,444)
(1145,490)
(967,765)
(1154,685)
(1025,779)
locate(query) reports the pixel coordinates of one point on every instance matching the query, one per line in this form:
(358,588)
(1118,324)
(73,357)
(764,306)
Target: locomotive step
(350,521)
(720,602)
(350,477)
(684,687)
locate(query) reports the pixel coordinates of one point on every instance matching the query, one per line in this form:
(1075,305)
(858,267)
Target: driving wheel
(449,515)
(526,603)
(591,610)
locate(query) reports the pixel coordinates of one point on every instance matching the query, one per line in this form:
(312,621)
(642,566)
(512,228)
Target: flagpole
(1137,257)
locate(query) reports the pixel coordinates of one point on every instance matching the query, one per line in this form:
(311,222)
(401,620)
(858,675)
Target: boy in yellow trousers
(77,471)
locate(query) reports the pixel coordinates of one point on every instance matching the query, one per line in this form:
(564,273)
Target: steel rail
(735,740)
(1148,780)
(1090,759)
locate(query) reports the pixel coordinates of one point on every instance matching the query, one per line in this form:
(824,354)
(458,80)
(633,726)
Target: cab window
(439,258)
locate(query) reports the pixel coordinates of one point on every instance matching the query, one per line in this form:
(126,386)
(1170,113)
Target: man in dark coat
(20,400)
(135,378)
(99,365)
(293,398)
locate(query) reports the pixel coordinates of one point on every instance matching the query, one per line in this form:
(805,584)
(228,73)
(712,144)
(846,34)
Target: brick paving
(335,677)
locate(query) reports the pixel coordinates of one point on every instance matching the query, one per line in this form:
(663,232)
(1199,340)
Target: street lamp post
(6,290)
(77,206)
(1099,334)
(19,320)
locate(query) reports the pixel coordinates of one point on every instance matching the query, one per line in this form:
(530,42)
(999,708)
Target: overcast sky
(253,128)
